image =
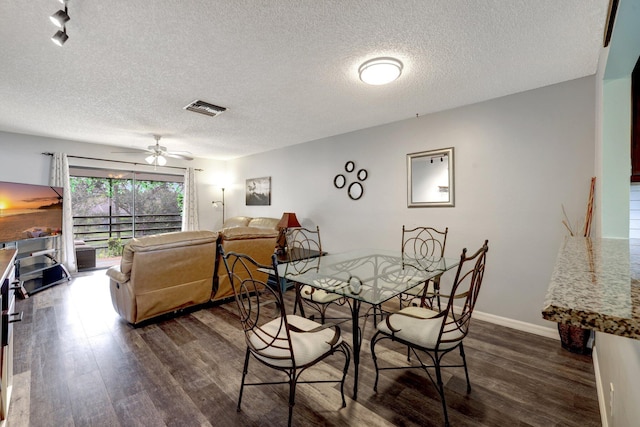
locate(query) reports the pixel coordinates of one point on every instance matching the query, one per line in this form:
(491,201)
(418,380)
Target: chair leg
(436,289)
(375,360)
(292,394)
(244,375)
(347,356)
(441,389)
(298,301)
(466,372)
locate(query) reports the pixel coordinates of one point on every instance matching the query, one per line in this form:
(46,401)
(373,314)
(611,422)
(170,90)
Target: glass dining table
(368,276)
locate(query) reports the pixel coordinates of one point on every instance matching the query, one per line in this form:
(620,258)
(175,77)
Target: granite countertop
(596,285)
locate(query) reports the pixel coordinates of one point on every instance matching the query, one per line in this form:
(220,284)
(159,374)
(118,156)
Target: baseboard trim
(518,325)
(601,401)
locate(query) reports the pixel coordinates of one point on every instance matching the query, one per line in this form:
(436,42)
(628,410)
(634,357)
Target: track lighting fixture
(60,37)
(60,19)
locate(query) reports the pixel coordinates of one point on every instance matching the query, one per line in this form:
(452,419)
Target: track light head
(60,37)
(60,18)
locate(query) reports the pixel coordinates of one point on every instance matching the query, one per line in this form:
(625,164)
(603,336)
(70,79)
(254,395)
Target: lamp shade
(288,220)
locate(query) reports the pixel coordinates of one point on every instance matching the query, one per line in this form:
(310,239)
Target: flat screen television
(29,211)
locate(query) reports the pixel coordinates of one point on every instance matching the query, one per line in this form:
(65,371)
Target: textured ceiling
(286,70)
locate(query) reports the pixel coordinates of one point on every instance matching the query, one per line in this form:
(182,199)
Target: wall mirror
(430,178)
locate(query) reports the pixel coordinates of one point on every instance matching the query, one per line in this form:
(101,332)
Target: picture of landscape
(258,191)
(29,211)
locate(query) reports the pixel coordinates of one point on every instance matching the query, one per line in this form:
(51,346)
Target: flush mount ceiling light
(380,71)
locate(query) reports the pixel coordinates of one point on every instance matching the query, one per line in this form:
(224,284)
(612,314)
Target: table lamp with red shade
(288,220)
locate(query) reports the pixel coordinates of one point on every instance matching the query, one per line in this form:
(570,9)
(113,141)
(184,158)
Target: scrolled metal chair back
(258,304)
(422,246)
(300,243)
(464,294)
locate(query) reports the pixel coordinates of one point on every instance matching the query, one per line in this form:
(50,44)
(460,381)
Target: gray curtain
(190,209)
(60,178)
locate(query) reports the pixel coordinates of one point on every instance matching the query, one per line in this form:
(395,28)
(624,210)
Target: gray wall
(518,159)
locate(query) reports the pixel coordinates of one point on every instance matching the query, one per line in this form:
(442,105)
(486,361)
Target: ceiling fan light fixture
(150,159)
(380,71)
(60,18)
(60,37)
(161,160)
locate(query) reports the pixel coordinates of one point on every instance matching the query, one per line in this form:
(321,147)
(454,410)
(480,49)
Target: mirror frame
(425,203)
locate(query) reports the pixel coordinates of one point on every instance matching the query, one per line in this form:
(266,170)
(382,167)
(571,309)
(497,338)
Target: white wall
(616,160)
(618,367)
(21,161)
(517,160)
(617,359)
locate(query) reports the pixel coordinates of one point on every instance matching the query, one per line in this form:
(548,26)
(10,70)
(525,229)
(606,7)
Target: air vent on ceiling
(205,108)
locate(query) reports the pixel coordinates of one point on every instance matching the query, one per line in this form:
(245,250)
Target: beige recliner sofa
(163,273)
(255,237)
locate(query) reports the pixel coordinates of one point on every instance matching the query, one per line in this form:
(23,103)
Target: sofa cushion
(264,222)
(237,221)
(246,233)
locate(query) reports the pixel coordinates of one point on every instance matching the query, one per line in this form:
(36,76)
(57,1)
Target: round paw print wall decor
(355,190)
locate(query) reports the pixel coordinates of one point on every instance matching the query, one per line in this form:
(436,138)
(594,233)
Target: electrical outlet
(611,392)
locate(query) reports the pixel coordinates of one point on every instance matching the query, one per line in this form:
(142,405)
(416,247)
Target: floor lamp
(215,204)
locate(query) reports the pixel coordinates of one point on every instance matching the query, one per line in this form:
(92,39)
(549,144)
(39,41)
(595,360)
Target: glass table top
(368,275)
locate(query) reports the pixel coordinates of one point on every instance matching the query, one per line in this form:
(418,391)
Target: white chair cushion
(318,295)
(307,347)
(422,332)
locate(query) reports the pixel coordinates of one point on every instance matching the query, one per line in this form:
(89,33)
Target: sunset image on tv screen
(29,211)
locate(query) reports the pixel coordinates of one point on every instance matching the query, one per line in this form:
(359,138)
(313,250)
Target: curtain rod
(120,161)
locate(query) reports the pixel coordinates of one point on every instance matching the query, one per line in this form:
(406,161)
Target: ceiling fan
(158,154)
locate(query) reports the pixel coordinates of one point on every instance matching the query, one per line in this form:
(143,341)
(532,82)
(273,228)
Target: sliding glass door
(111,207)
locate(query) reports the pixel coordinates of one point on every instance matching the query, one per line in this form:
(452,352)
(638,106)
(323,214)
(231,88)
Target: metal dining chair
(422,247)
(304,252)
(287,343)
(435,334)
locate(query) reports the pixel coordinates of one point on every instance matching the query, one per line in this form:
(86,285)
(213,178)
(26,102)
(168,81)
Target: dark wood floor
(78,364)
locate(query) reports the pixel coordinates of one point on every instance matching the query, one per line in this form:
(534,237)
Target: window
(110,206)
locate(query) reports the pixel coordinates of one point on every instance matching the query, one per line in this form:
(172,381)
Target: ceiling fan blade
(184,155)
(134,150)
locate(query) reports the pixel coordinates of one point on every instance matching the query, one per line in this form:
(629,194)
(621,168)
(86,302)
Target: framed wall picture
(258,192)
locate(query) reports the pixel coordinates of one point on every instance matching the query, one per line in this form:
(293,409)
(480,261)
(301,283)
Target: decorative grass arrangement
(588,216)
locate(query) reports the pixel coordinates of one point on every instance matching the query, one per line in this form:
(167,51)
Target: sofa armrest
(115,274)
